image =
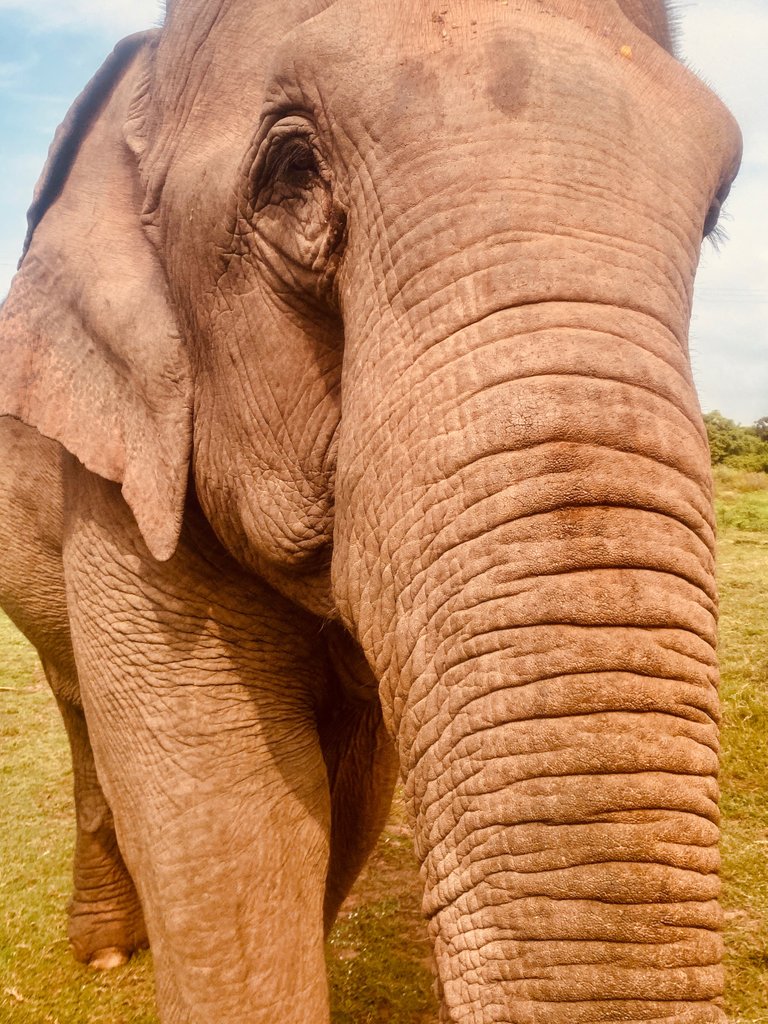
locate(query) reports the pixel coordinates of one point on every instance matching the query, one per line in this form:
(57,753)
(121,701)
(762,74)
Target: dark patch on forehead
(418,91)
(510,68)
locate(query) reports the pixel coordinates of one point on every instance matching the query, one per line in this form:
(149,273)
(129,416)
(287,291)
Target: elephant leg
(201,687)
(106,923)
(362,769)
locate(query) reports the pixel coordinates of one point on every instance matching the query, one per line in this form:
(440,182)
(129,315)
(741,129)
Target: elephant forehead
(398,72)
(362,66)
(418,27)
(215,54)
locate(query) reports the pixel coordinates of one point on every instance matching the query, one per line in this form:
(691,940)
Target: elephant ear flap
(90,351)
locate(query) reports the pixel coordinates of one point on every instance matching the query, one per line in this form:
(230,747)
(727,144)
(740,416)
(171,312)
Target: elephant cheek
(264,459)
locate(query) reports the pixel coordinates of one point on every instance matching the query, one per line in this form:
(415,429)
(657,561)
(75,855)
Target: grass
(742,512)
(378,955)
(742,501)
(39,981)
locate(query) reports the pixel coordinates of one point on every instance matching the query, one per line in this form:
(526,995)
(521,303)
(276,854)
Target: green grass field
(742,514)
(378,956)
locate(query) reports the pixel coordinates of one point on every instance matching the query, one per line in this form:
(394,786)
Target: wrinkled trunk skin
(548,667)
(524,546)
(546,652)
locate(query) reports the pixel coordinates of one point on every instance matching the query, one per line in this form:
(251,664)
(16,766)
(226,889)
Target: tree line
(740,447)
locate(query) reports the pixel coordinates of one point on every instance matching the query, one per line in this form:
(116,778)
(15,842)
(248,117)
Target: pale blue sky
(49,49)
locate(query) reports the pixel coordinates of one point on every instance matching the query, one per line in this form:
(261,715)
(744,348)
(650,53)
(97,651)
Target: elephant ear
(90,351)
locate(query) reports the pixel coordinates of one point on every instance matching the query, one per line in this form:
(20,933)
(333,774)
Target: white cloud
(117,17)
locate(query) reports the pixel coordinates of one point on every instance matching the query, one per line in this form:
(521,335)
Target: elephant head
(409,288)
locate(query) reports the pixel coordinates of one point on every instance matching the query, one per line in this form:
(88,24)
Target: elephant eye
(295,164)
(287,217)
(713,215)
(288,166)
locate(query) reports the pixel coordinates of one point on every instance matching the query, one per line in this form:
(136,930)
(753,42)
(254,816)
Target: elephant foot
(105,941)
(110,958)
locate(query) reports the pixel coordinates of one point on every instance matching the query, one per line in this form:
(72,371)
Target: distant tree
(723,436)
(761,428)
(733,445)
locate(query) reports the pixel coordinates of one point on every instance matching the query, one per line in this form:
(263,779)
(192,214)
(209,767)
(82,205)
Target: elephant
(347,374)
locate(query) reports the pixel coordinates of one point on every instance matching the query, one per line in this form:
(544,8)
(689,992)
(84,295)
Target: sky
(49,49)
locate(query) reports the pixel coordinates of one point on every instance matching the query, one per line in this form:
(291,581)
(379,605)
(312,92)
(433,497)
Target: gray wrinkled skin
(348,402)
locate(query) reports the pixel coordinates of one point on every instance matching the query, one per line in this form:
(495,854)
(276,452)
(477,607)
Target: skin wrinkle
(491,239)
(301,480)
(506,380)
(574,642)
(439,836)
(429,491)
(509,379)
(550,727)
(667,884)
(568,713)
(368,187)
(530,303)
(203,955)
(419,579)
(700,834)
(387,264)
(640,252)
(530,334)
(522,186)
(564,554)
(569,499)
(416,753)
(706,872)
(563,569)
(497,638)
(568,488)
(530,376)
(600,820)
(553,327)
(564,975)
(641,947)
(676,916)
(564,803)
(510,775)
(520,686)
(447,889)
(628,626)
(523,588)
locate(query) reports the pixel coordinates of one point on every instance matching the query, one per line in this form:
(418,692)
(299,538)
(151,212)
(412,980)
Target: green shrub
(730,444)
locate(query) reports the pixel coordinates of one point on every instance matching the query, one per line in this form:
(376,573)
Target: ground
(378,956)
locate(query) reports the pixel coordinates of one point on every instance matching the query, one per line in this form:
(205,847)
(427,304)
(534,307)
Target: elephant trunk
(558,735)
(536,596)
(562,780)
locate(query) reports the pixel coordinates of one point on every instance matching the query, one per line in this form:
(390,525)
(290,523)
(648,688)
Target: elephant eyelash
(713,230)
(718,237)
(296,163)
(711,221)
(288,165)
